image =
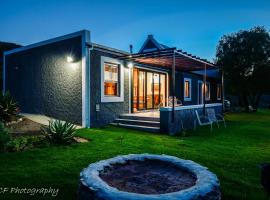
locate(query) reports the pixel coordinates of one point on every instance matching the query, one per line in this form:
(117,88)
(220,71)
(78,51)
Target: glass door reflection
(149,89)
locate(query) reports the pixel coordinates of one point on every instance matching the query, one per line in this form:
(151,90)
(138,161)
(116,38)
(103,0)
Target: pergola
(174,59)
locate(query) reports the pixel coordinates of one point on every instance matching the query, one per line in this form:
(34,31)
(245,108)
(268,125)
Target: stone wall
(184,117)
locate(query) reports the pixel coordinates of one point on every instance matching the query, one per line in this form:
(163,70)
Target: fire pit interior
(148,177)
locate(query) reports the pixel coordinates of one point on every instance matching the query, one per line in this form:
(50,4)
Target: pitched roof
(151,44)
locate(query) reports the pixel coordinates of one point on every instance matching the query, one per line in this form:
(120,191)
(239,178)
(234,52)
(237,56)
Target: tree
(245,60)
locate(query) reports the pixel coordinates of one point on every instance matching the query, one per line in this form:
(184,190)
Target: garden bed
(24,127)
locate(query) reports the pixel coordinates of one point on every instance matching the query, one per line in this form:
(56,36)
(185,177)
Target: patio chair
(203,121)
(212,116)
(177,102)
(251,109)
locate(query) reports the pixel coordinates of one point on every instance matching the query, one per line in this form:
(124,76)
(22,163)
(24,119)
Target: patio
(162,121)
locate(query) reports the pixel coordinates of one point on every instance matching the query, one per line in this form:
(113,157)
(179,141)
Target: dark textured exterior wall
(43,82)
(108,111)
(185,117)
(179,88)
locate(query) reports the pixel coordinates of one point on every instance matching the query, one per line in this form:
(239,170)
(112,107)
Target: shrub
(18,144)
(4,137)
(59,132)
(25,142)
(8,107)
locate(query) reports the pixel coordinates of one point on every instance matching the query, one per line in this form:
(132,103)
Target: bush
(8,107)
(59,132)
(4,137)
(18,144)
(25,142)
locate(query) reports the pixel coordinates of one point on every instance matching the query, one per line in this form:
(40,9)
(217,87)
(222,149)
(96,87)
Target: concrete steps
(148,124)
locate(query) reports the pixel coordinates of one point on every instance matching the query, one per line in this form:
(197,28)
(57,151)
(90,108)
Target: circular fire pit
(147,176)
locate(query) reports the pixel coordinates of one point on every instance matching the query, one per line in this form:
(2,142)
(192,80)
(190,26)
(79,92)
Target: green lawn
(232,153)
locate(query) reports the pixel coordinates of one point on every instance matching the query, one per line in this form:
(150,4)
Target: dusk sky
(194,26)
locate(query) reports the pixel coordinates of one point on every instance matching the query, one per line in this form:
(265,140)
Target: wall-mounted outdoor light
(70,59)
(130,65)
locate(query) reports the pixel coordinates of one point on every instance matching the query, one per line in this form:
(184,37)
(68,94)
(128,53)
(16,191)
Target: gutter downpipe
(89,46)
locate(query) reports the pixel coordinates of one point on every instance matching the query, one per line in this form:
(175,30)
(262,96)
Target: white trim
(105,98)
(129,77)
(207,99)
(191,107)
(4,74)
(42,43)
(190,89)
(85,80)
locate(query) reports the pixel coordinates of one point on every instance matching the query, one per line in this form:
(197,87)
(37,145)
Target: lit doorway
(149,89)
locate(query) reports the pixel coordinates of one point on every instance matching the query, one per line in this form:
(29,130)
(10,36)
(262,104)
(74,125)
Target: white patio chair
(177,102)
(215,117)
(203,121)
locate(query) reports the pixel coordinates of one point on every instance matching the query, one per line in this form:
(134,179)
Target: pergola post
(173,85)
(222,90)
(204,89)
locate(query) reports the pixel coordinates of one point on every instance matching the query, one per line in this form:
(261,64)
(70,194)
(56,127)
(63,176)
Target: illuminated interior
(111,79)
(149,89)
(187,89)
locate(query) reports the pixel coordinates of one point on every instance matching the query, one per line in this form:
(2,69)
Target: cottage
(71,78)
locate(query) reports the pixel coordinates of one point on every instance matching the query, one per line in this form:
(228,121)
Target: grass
(233,154)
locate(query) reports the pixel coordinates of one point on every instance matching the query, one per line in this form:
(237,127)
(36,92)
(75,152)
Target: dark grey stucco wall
(179,88)
(111,110)
(43,82)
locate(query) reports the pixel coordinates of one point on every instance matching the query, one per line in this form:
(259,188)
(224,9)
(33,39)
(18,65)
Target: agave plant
(8,107)
(59,132)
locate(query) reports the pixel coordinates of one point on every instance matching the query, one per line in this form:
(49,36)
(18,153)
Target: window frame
(219,86)
(208,98)
(117,66)
(120,85)
(190,89)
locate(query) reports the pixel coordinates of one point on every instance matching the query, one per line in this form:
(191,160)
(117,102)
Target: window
(218,92)
(111,79)
(187,89)
(207,91)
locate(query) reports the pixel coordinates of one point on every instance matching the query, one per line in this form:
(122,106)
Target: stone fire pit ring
(92,186)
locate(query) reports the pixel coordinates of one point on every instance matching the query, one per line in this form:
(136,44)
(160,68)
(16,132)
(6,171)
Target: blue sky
(194,26)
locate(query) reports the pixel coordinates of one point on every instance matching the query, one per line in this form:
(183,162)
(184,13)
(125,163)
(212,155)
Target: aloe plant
(8,107)
(59,132)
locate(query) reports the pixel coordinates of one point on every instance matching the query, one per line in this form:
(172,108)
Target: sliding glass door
(149,89)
